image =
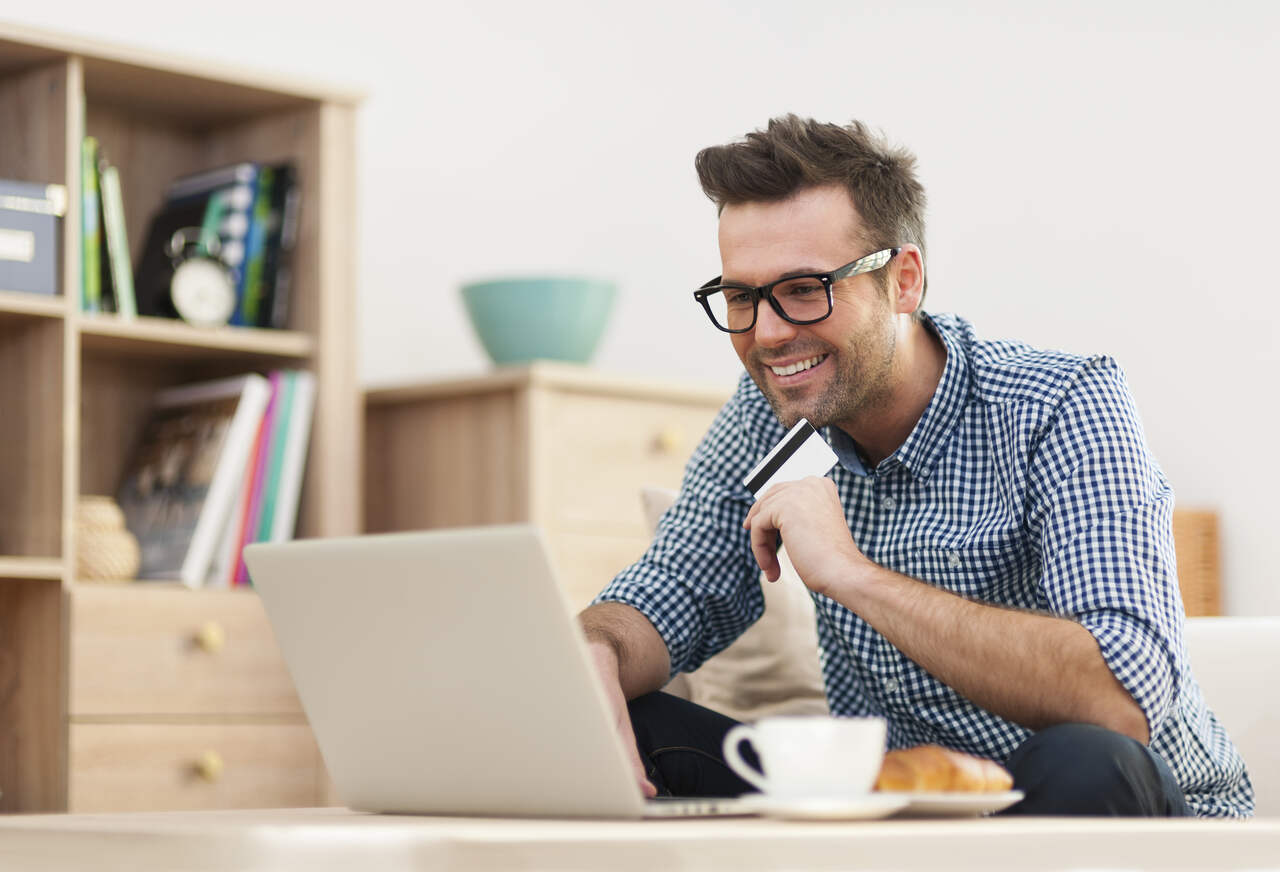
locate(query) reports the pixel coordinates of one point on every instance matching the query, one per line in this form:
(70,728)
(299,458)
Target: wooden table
(331,839)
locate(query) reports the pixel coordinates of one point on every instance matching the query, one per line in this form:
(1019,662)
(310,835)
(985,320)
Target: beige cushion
(772,668)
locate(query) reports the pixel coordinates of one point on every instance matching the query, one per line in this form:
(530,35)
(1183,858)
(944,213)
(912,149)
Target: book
(292,465)
(279,439)
(250,301)
(262,472)
(121,268)
(179,487)
(218,201)
(282,236)
(224,562)
(268,503)
(203,183)
(90,229)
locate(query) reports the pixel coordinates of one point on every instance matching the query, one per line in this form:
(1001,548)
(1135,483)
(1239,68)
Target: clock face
(202,292)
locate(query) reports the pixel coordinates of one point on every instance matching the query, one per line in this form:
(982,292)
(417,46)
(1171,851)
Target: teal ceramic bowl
(522,319)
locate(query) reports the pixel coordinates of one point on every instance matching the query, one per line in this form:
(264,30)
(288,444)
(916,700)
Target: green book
(117,241)
(91,231)
(275,463)
(256,249)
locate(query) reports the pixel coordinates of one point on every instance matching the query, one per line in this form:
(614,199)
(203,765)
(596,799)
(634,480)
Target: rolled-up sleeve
(1103,512)
(697,582)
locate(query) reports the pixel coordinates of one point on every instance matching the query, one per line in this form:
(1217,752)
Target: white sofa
(1232,659)
(773,669)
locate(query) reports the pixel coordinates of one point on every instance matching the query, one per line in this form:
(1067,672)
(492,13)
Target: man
(992,560)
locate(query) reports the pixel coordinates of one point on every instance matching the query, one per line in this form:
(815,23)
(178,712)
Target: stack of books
(244,215)
(219,466)
(106,276)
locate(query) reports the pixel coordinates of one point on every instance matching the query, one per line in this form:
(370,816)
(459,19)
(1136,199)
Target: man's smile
(796,371)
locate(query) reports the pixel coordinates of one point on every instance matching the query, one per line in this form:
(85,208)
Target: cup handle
(733,757)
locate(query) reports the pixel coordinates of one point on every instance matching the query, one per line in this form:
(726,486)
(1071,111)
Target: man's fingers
(764,545)
(629,742)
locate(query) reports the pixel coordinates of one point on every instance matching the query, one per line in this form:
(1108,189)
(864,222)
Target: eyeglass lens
(802,299)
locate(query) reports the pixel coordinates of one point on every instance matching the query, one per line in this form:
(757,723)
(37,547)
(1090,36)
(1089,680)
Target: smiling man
(992,559)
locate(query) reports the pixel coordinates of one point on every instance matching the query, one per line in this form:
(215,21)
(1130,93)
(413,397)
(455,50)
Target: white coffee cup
(810,757)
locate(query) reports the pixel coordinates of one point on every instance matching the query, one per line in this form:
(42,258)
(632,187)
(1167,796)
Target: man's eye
(801,290)
(737,298)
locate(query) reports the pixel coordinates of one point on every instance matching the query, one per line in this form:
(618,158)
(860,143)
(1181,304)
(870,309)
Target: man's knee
(1083,769)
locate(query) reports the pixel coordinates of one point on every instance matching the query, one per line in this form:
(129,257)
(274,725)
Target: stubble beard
(861,383)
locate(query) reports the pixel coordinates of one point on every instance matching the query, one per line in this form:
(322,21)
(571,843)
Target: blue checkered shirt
(1027,483)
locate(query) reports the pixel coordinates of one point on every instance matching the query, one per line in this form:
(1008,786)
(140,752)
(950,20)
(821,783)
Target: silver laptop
(444,673)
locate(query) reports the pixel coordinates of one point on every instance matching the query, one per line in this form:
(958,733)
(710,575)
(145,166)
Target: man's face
(846,361)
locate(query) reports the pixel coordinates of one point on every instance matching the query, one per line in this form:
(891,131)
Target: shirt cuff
(650,592)
(1140,660)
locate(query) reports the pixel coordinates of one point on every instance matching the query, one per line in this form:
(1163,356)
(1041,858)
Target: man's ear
(907,270)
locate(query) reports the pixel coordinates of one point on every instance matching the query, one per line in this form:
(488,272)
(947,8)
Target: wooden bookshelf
(73,399)
(16,306)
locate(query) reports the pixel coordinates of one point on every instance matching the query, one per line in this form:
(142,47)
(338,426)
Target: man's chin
(790,412)
(802,401)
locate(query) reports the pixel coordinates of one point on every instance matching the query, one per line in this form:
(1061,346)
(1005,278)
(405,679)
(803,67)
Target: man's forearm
(641,656)
(1035,670)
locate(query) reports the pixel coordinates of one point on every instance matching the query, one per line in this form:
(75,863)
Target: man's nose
(772,329)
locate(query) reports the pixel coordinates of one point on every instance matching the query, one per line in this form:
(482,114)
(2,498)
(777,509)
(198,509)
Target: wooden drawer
(141,767)
(164,650)
(599,451)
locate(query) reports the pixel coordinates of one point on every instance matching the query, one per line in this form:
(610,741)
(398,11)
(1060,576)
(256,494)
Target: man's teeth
(801,366)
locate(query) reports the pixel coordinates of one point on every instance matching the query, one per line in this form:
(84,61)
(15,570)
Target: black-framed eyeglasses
(800,299)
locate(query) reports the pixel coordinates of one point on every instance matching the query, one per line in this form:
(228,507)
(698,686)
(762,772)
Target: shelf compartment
(150,152)
(31,399)
(119,385)
(164,337)
(32,696)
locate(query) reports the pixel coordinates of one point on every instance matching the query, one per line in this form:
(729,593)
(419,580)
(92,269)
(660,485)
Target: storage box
(30,215)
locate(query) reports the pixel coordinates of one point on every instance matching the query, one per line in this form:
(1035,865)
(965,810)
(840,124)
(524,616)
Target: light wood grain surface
(166,650)
(144,766)
(331,839)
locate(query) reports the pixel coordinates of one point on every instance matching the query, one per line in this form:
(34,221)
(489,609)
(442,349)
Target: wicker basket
(1195,539)
(105,549)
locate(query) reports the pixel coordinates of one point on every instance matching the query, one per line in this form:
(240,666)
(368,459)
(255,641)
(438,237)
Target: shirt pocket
(1002,576)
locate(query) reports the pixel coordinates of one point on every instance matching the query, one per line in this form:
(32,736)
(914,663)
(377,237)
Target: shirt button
(891,685)
(888,503)
(955,560)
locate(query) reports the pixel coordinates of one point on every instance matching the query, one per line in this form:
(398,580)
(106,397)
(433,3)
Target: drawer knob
(669,440)
(211,637)
(210,766)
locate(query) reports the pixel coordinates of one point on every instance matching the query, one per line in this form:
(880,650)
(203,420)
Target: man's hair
(793,154)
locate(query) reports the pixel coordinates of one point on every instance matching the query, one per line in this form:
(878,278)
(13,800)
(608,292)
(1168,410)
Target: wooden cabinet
(164,650)
(146,766)
(109,693)
(561,446)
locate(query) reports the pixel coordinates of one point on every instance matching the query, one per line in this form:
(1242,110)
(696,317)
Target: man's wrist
(857,573)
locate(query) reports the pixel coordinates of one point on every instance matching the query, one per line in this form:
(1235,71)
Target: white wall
(1102,178)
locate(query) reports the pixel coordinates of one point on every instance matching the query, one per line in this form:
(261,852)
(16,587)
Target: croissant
(932,768)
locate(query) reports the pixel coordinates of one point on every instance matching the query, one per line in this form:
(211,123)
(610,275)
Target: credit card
(801,453)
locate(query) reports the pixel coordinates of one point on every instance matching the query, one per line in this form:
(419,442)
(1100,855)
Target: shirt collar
(923,448)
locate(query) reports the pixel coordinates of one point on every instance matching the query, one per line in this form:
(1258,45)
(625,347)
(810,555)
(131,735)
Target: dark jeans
(1069,769)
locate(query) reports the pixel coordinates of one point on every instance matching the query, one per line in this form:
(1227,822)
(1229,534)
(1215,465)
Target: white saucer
(854,808)
(956,804)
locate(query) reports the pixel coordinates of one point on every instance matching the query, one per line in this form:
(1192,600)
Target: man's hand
(605,661)
(1059,675)
(809,516)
